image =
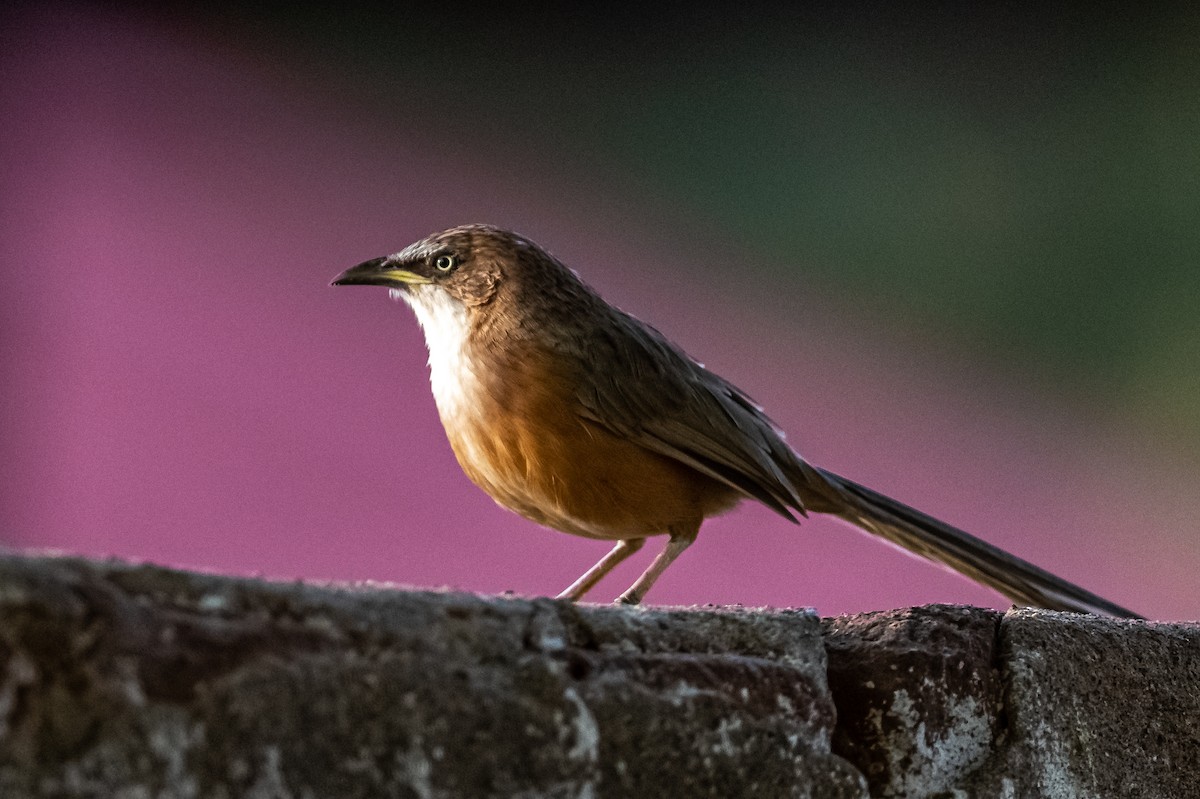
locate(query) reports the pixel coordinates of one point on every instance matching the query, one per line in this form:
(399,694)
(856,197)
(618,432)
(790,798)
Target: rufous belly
(536,455)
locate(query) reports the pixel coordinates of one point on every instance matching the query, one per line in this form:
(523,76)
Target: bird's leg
(679,541)
(622,550)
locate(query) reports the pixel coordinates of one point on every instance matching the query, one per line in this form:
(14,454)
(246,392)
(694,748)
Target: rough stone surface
(1097,708)
(138,682)
(918,695)
(127,681)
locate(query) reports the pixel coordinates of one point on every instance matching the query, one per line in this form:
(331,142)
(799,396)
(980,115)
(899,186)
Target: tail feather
(1019,580)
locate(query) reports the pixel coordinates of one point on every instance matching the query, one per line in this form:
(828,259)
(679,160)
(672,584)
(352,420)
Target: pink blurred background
(181,385)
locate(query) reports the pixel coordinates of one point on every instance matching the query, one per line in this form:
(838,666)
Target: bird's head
(460,276)
(465,265)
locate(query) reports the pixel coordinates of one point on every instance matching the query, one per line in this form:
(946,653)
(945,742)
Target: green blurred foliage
(1028,180)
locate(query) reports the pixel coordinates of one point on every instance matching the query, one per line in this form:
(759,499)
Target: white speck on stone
(320,623)
(923,761)
(552,643)
(586,732)
(129,683)
(681,693)
(1059,742)
(212,603)
(583,738)
(415,769)
(239,769)
(170,740)
(725,745)
(1058,780)
(270,782)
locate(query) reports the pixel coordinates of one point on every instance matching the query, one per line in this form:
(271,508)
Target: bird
(582,418)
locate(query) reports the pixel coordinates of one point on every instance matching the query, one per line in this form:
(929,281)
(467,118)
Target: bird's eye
(444,263)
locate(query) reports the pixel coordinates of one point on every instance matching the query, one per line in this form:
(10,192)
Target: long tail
(1019,580)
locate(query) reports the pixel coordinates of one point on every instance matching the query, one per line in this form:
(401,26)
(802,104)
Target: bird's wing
(651,392)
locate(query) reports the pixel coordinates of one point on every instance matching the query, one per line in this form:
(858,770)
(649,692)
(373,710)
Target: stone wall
(137,681)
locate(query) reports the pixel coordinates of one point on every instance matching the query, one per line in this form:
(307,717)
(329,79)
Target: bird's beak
(378,272)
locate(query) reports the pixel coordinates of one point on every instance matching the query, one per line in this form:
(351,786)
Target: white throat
(447,325)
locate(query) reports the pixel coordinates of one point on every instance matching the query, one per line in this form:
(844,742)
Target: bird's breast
(515,424)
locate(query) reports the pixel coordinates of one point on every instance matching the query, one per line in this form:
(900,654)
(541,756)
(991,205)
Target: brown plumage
(578,416)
